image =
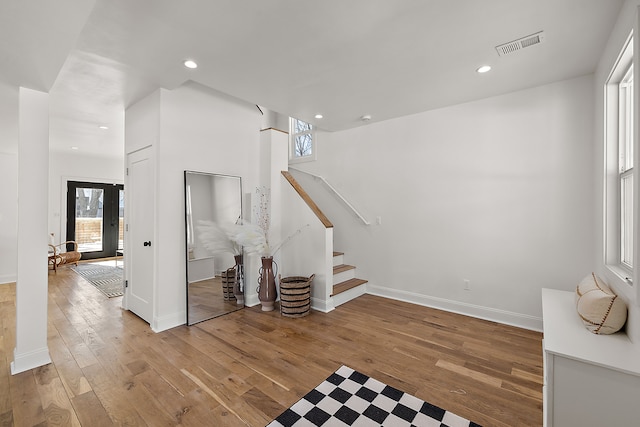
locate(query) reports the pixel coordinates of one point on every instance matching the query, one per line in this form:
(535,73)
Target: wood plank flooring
(206,300)
(244,368)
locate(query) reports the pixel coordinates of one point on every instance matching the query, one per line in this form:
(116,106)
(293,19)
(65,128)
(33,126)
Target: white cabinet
(589,380)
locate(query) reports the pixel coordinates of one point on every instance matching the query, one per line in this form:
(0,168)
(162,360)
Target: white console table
(589,380)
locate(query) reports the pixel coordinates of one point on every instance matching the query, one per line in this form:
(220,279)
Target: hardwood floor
(206,300)
(245,368)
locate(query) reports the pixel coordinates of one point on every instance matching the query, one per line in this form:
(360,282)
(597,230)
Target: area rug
(108,280)
(350,398)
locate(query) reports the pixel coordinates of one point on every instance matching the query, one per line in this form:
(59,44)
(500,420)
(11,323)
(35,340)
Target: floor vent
(516,45)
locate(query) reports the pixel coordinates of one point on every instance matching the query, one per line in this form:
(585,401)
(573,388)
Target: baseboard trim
(170,321)
(321,305)
(486,313)
(251,300)
(316,304)
(30,360)
(9,278)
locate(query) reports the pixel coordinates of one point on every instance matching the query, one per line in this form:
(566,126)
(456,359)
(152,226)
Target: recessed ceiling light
(190,64)
(484,69)
(103,127)
(365,118)
(74,148)
(318,116)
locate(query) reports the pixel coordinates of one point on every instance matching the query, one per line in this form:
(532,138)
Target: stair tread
(342,267)
(336,253)
(346,285)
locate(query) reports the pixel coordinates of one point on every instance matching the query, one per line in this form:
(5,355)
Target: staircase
(345,284)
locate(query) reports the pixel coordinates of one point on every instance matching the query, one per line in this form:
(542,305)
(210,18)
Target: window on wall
(619,138)
(625,143)
(302,141)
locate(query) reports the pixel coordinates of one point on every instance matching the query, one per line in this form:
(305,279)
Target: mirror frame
(188,259)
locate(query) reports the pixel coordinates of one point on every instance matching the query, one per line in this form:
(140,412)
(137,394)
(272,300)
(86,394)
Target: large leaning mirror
(212,204)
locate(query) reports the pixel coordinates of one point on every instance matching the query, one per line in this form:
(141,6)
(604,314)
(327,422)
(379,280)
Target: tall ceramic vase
(267,284)
(238,288)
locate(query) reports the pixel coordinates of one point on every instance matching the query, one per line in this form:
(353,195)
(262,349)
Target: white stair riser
(347,296)
(345,275)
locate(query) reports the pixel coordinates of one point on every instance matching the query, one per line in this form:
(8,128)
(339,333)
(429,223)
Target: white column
(31,348)
(277,153)
(273,159)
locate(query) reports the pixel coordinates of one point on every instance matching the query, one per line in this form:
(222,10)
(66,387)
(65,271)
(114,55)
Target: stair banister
(340,196)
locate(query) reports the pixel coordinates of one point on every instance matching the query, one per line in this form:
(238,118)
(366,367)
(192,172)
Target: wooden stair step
(346,285)
(335,253)
(342,268)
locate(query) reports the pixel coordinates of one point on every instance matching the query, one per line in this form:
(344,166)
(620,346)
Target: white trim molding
(7,279)
(251,300)
(29,360)
(472,310)
(321,305)
(167,322)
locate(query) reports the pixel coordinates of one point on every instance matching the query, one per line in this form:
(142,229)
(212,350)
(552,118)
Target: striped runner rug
(108,280)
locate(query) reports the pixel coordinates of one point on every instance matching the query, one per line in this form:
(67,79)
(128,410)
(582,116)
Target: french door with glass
(95,218)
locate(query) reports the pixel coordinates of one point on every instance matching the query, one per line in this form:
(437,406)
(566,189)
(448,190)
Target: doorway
(95,218)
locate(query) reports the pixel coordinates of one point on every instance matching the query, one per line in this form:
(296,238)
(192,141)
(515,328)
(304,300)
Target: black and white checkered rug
(349,398)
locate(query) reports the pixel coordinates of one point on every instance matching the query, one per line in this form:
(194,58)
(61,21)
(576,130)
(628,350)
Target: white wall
(8,118)
(8,217)
(624,25)
(31,287)
(497,192)
(310,250)
(205,131)
(64,167)
(9,179)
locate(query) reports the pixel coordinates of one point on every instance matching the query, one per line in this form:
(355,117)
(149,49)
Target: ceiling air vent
(516,45)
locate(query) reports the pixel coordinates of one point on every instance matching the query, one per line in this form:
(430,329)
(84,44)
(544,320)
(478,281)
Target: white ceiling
(343,59)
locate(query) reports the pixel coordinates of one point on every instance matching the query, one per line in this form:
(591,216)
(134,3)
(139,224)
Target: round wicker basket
(228,282)
(295,296)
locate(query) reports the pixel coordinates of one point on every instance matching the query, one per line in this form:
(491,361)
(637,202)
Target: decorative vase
(238,289)
(267,284)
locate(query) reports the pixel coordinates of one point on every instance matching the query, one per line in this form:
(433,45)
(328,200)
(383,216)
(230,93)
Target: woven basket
(228,282)
(295,296)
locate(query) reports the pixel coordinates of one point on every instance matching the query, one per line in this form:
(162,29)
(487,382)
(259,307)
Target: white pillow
(601,310)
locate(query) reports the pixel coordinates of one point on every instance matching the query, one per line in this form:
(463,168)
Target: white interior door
(140,257)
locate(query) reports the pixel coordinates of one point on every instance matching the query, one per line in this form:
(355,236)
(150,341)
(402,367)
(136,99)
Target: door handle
(147,243)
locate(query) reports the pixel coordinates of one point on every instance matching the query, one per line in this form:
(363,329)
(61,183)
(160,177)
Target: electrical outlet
(467,285)
(379,220)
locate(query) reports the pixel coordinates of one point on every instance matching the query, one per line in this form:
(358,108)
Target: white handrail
(340,196)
